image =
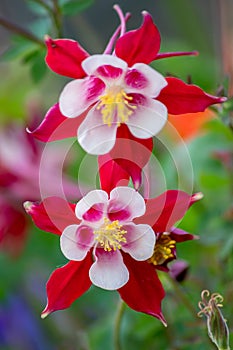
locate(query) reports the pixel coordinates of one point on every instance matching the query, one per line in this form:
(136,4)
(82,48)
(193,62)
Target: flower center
(115,105)
(110,235)
(163,249)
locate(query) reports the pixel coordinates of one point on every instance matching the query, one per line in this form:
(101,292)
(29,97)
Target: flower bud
(216,324)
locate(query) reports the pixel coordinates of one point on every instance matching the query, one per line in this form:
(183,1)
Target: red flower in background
(143,291)
(20,160)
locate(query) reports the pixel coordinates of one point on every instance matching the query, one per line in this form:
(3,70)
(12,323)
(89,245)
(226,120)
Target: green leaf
(19,48)
(37,8)
(38,67)
(72,7)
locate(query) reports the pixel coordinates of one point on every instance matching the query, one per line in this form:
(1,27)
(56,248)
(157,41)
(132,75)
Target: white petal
(140,241)
(92,63)
(148,119)
(94,136)
(109,271)
(124,198)
(72,245)
(143,79)
(91,198)
(79,94)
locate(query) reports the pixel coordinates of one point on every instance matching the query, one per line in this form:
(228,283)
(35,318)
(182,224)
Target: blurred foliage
(89,322)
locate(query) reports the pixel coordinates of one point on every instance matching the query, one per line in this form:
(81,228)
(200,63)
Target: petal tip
(44,314)
(27,206)
(197,196)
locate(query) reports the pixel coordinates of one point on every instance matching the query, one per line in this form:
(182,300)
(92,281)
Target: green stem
(183,297)
(57,18)
(117,328)
(20,31)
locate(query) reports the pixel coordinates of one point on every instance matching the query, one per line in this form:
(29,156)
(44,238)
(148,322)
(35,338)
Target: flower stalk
(117,329)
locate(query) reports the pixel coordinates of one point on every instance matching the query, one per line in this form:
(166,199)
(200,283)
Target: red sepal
(65,56)
(55,126)
(180,98)
(165,210)
(66,284)
(139,45)
(53,214)
(144,291)
(131,153)
(180,235)
(111,174)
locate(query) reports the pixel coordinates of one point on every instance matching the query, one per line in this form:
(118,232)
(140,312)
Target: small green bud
(216,324)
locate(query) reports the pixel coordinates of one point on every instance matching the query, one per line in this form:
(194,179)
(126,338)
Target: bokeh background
(28,256)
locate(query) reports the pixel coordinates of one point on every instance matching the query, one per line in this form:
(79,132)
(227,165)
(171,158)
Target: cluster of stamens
(163,249)
(115,104)
(110,236)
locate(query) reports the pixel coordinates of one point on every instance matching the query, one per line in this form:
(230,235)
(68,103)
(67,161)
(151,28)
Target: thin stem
(57,18)
(20,31)
(183,297)
(117,328)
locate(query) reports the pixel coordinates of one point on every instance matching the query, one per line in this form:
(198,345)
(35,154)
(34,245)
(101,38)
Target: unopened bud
(216,324)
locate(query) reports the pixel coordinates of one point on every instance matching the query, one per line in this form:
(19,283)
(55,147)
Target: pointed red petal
(180,97)
(131,153)
(144,291)
(165,210)
(140,45)
(56,126)
(65,56)
(53,214)
(66,284)
(111,174)
(180,235)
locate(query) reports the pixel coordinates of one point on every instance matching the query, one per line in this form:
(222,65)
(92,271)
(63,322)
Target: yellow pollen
(163,250)
(110,235)
(115,104)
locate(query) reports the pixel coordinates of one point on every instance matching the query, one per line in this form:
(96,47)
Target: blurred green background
(28,88)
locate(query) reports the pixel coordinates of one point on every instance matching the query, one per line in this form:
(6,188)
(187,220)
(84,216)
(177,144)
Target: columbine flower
(115,89)
(167,235)
(109,241)
(117,95)
(106,226)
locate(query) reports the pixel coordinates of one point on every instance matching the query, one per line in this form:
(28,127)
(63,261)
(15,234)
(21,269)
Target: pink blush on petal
(95,87)
(116,211)
(107,71)
(95,213)
(85,237)
(136,79)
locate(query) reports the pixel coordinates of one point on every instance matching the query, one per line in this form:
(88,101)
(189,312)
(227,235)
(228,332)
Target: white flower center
(110,236)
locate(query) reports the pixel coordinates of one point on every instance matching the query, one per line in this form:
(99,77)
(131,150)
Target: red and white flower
(92,227)
(115,94)
(106,226)
(116,88)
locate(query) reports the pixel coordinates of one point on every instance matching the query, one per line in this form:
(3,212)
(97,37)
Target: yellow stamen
(115,104)
(110,235)
(163,249)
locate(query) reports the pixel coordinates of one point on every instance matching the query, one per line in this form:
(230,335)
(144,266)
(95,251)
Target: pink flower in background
(109,241)
(20,160)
